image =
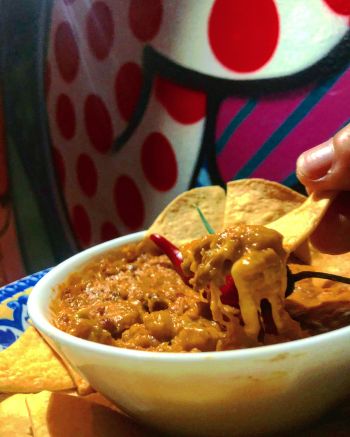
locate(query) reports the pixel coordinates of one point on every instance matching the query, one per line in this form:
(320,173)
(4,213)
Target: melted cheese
(255,258)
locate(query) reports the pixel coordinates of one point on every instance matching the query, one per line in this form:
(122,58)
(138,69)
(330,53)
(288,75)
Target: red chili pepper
(229,291)
(172,252)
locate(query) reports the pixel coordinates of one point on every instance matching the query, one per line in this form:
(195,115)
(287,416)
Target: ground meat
(134,299)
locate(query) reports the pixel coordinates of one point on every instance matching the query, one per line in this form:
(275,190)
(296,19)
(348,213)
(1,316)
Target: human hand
(327,167)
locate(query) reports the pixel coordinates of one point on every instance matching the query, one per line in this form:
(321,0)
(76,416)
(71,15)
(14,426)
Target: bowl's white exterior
(243,392)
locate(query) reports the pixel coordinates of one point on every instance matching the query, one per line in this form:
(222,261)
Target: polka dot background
(87,175)
(184,105)
(100,29)
(98,123)
(127,88)
(341,7)
(92,90)
(65,116)
(253,37)
(145,18)
(59,166)
(108,231)
(250,39)
(93,80)
(157,149)
(66,51)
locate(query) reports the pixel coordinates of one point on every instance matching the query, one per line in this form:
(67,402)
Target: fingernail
(315,163)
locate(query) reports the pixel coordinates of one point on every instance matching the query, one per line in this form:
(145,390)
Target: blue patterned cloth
(13,308)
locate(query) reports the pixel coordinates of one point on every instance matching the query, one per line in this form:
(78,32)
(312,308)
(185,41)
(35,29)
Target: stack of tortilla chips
(42,396)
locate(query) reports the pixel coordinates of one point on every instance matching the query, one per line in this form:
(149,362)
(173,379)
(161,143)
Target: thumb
(327,166)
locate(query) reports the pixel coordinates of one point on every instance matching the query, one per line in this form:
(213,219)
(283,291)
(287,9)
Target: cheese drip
(255,258)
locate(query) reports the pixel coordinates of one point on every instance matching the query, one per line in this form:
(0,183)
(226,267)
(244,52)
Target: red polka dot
(159,162)
(81,225)
(98,123)
(47,79)
(129,203)
(66,52)
(127,88)
(65,116)
(243,34)
(100,29)
(108,231)
(87,174)
(145,17)
(183,104)
(59,165)
(341,7)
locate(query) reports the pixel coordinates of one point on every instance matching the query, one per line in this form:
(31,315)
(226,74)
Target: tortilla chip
(100,399)
(302,252)
(336,264)
(14,417)
(180,223)
(258,202)
(83,386)
(58,414)
(298,224)
(30,365)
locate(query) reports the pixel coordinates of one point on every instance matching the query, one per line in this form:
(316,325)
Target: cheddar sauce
(132,297)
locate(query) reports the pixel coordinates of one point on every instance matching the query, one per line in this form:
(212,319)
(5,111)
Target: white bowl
(243,392)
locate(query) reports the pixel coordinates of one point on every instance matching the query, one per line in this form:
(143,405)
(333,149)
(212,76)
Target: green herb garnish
(205,222)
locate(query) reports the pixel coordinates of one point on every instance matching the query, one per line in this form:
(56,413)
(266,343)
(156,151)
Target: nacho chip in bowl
(179,222)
